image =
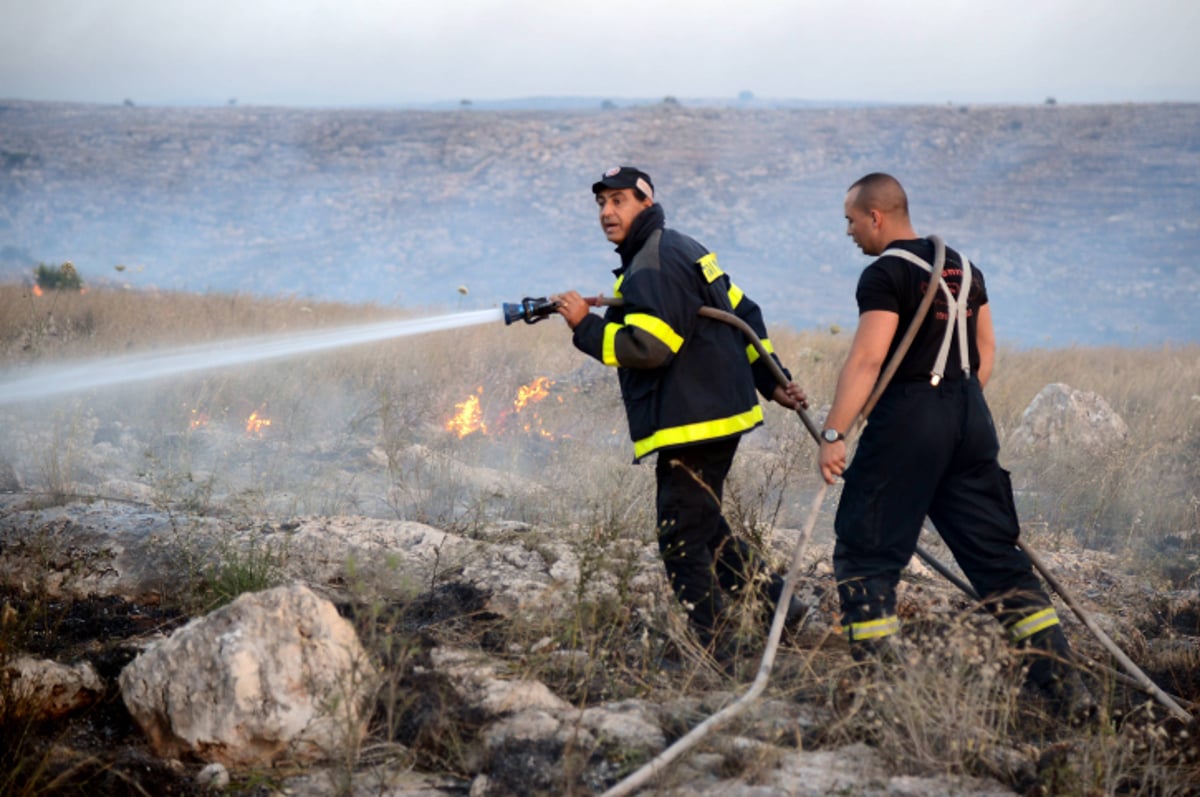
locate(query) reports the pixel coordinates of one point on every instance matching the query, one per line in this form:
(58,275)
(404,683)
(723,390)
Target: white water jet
(41,382)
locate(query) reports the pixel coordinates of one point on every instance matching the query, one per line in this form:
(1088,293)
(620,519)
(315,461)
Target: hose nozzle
(529,310)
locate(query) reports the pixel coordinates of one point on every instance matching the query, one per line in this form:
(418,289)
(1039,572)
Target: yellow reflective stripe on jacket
(656,327)
(1028,626)
(617,286)
(709,268)
(873,629)
(699,432)
(608,349)
(735,295)
(752,350)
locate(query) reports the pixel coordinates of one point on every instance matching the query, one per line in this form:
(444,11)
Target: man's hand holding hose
(860,373)
(573,307)
(791,396)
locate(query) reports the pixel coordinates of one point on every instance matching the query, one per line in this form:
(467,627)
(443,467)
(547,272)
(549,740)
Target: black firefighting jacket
(684,378)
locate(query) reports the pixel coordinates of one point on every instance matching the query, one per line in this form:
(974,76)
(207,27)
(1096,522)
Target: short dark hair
(880,191)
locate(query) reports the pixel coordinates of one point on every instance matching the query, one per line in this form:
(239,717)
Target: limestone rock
(855,769)
(630,722)
(1060,417)
(273,675)
(43,690)
(97,549)
(477,679)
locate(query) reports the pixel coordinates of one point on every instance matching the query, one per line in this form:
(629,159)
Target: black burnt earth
(445,603)
(98,750)
(439,727)
(58,628)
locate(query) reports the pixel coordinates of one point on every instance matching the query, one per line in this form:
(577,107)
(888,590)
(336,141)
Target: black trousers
(701,556)
(932,451)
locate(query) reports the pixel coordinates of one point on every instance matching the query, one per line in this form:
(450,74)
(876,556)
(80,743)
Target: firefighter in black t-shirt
(930,448)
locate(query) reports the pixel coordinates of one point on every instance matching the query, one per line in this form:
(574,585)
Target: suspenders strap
(956,321)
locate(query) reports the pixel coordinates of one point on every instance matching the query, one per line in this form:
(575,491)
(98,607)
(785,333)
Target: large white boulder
(275,675)
(1061,418)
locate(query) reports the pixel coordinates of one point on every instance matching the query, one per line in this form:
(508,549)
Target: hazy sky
(371,52)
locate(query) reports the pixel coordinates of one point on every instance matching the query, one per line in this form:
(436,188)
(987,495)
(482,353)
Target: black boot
(1072,700)
(1053,675)
(720,647)
(882,651)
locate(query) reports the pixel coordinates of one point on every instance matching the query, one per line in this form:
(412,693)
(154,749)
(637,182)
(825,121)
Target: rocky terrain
(1084,218)
(498,656)
(260,705)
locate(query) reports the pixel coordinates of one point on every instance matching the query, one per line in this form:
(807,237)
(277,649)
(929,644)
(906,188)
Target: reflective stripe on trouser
(1051,661)
(873,629)
(1025,627)
(931,451)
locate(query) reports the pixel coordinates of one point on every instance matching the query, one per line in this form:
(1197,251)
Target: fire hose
(649,770)
(532,310)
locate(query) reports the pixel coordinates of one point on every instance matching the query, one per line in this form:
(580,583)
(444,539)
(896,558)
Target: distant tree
(57,278)
(608,105)
(1051,101)
(128,103)
(232,101)
(669,100)
(465,103)
(745,96)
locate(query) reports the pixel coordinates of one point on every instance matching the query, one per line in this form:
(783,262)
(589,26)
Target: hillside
(1085,219)
(465,500)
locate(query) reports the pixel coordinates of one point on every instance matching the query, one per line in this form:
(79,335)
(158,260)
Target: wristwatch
(832,435)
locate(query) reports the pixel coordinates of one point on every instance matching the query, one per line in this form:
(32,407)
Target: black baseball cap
(625,177)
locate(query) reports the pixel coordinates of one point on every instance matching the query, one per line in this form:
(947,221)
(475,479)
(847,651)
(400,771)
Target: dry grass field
(530,407)
(1132,497)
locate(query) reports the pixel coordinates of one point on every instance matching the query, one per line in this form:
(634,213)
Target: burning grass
(466,427)
(308,434)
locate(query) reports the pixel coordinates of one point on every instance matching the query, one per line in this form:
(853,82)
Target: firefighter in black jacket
(688,383)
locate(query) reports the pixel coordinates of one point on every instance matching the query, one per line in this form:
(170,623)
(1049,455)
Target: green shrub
(57,278)
(237,570)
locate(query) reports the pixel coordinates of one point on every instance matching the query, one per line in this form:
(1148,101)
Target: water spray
(17,385)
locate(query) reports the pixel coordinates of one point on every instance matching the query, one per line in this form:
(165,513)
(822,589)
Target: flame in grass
(38,290)
(256,424)
(532,393)
(468,417)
